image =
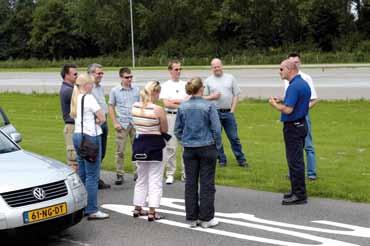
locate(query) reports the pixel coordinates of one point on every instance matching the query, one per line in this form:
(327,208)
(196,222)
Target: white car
(36,190)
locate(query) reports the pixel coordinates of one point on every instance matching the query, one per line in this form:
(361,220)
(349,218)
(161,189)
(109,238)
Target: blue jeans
(89,172)
(228,123)
(310,151)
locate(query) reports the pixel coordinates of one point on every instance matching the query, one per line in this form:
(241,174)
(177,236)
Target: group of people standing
(193,115)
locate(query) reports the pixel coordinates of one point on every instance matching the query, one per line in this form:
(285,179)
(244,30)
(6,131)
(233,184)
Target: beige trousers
(169,153)
(121,140)
(71,153)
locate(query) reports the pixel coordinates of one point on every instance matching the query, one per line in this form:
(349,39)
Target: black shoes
(243,164)
(102,185)
(293,200)
(222,164)
(288,195)
(119,180)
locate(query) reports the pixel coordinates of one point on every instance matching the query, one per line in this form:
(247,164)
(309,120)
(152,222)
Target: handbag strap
(82,115)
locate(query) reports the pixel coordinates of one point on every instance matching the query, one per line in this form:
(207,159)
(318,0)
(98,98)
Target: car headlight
(74,181)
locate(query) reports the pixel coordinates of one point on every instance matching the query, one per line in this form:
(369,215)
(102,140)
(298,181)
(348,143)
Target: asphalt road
(247,217)
(331,82)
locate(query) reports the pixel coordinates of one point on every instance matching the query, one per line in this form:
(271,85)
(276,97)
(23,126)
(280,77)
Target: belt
(224,110)
(295,122)
(171,112)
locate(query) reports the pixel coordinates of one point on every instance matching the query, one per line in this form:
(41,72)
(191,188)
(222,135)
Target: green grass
(341,131)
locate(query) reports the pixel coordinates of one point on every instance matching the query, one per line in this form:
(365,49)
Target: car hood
(22,169)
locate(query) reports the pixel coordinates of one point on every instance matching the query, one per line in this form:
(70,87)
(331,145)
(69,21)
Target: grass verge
(340,131)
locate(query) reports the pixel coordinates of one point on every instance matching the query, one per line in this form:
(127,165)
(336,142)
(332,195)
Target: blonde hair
(146,94)
(81,80)
(193,85)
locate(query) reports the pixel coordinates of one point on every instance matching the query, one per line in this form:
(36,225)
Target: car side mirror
(17,137)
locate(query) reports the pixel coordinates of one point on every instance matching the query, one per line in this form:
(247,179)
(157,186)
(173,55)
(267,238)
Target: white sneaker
(169,180)
(207,224)
(194,223)
(99,215)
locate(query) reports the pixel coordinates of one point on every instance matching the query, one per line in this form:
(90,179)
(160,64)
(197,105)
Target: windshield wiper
(2,151)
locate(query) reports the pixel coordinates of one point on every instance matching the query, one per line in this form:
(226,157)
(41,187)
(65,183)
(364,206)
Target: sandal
(154,216)
(139,212)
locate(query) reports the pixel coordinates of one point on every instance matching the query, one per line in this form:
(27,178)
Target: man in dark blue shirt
(293,110)
(69,75)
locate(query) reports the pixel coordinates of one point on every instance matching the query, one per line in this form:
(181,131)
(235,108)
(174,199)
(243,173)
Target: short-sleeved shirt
(98,92)
(65,95)
(91,106)
(226,85)
(297,96)
(123,99)
(173,90)
(306,78)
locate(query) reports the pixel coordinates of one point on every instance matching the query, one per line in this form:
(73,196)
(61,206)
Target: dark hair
(171,62)
(65,69)
(124,70)
(294,54)
(193,85)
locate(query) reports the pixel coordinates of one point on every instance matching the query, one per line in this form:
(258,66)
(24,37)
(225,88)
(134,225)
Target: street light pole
(132,37)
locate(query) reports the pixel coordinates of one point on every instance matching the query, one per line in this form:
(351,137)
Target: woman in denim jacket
(198,128)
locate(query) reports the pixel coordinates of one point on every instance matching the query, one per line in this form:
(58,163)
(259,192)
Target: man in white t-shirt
(309,148)
(173,93)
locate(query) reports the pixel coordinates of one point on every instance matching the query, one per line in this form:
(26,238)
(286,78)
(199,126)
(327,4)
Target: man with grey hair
(96,70)
(223,89)
(293,110)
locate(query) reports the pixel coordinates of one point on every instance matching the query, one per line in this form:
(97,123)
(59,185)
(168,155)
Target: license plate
(45,213)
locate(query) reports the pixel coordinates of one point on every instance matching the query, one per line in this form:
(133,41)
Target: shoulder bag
(88,150)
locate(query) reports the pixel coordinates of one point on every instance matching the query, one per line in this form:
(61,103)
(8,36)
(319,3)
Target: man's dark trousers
(294,136)
(200,162)
(104,136)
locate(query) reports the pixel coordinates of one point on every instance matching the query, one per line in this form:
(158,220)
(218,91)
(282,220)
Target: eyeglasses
(128,77)
(177,69)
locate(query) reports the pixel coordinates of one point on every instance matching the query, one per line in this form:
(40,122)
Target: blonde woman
(198,128)
(150,123)
(93,117)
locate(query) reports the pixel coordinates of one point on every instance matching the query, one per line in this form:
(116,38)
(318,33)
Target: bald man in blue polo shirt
(293,110)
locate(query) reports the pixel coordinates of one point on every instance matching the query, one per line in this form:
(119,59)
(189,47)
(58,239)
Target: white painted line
(124,209)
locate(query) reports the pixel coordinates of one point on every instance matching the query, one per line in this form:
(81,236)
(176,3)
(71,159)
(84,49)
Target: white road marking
(356,231)
(73,242)
(124,209)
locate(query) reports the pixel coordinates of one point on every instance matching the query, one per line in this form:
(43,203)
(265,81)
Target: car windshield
(6,145)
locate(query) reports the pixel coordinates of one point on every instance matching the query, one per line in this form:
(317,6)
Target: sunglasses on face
(177,69)
(101,73)
(128,77)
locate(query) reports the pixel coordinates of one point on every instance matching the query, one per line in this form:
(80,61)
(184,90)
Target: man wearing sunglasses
(172,94)
(96,70)
(293,110)
(69,75)
(121,99)
(308,147)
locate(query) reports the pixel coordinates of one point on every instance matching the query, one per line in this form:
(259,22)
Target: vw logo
(39,193)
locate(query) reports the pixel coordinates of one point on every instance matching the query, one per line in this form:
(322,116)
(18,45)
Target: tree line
(59,29)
